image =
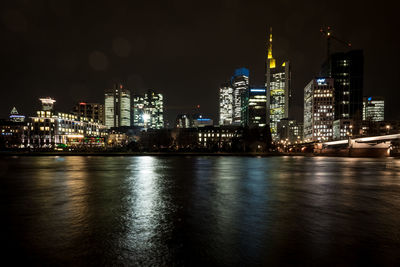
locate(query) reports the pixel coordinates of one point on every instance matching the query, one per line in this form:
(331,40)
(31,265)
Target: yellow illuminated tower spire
(270,58)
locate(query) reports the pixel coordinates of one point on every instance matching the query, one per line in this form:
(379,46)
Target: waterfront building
(343,129)
(226,104)
(278,85)
(290,130)
(240,85)
(373,108)
(375,128)
(117,105)
(319,109)
(50,129)
(218,136)
(347,71)
(15,116)
(94,111)
(14,134)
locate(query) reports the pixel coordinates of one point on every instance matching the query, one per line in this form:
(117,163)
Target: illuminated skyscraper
(153,116)
(319,110)
(278,80)
(240,85)
(254,107)
(225,104)
(373,109)
(117,106)
(347,71)
(138,110)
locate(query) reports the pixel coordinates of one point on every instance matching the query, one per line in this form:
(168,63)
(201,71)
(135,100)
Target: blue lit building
(15,116)
(200,120)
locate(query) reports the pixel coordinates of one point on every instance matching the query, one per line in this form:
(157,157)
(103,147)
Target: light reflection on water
(201,210)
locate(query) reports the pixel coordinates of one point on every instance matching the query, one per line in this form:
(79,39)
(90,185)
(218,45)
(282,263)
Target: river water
(174,211)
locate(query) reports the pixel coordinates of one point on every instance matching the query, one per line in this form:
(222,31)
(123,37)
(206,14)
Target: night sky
(73,50)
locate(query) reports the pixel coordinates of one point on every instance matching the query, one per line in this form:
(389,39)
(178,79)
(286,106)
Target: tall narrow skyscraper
(277,82)
(138,110)
(225,104)
(240,85)
(347,71)
(117,103)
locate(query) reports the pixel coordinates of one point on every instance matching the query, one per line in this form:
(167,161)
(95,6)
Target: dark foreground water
(199,211)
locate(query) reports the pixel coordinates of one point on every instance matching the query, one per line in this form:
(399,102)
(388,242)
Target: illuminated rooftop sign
(321,81)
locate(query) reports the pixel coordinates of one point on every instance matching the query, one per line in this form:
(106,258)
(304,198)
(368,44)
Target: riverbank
(180,154)
(120,154)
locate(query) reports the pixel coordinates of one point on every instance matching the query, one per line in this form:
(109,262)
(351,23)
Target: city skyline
(74,70)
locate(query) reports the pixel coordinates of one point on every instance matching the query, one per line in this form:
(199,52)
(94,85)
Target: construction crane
(328,34)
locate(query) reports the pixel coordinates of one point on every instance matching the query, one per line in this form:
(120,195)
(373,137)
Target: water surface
(150,211)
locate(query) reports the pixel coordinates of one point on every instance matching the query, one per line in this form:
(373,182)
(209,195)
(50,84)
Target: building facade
(226,104)
(94,111)
(15,116)
(278,85)
(290,130)
(153,116)
(117,105)
(240,85)
(319,110)
(347,71)
(373,108)
(343,129)
(138,110)
(183,121)
(254,107)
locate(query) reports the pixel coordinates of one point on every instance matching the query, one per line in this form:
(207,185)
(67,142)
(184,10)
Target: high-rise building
(153,115)
(183,121)
(277,83)
(117,106)
(373,108)
(240,85)
(347,71)
(254,107)
(93,111)
(148,110)
(138,110)
(319,109)
(226,104)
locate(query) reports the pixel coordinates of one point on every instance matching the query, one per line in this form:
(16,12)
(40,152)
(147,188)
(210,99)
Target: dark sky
(73,50)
